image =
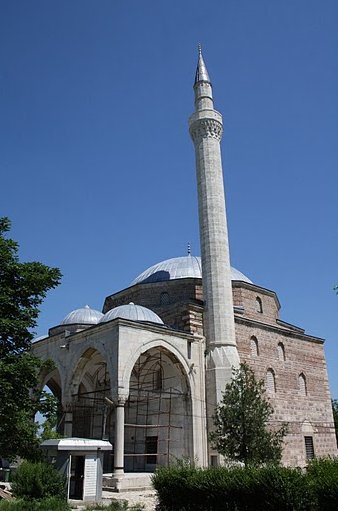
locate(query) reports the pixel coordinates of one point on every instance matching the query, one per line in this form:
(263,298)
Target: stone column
(119,438)
(67,417)
(68,424)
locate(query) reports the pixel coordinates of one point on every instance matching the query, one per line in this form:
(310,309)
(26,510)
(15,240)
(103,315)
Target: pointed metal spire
(189,248)
(201,71)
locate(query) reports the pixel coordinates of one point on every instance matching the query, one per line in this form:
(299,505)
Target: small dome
(40,338)
(83,316)
(180,268)
(133,312)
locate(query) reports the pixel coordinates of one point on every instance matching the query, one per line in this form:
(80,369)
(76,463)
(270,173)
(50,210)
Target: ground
(147,498)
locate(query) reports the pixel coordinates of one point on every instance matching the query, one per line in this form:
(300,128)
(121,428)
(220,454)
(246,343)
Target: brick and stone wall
(283,348)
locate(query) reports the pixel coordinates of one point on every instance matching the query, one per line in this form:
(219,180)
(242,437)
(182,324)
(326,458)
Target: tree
(335,415)
(23,286)
(241,422)
(49,408)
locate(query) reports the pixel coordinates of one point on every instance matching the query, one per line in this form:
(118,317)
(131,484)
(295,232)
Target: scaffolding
(155,413)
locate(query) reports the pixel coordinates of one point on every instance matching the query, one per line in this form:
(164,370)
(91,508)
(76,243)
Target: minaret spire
(206,129)
(202,74)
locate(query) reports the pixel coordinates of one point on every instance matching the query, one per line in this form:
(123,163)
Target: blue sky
(97,167)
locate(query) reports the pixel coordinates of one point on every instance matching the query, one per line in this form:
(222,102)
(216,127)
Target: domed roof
(83,316)
(180,268)
(133,312)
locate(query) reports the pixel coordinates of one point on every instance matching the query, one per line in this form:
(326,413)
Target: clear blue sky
(97,167)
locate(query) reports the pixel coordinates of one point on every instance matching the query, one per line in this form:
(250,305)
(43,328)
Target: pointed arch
(302,384)
(254,346)
(259,305)
(270,381)
(281,352)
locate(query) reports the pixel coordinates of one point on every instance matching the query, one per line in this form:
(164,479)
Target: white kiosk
(80,459)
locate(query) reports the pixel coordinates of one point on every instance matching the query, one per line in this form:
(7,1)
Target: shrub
(323,477)
(236,489)
(38,481)
(49,504)
(283,489)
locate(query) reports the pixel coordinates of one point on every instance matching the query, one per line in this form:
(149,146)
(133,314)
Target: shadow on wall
(158,276)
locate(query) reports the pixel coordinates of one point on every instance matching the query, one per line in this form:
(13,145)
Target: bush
(283,489)
(323,477)
(236,489)
(38,481)
(49,504)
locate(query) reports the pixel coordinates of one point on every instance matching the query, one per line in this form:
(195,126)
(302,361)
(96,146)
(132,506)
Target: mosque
(147,372)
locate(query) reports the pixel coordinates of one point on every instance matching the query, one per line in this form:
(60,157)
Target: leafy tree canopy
(241,422)
(23,286)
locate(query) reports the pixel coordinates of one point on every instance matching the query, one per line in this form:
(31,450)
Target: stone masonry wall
(179,303)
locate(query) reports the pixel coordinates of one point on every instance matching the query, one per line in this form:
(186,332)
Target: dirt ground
(146,497)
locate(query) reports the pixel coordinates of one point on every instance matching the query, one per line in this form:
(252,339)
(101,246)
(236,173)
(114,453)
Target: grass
(49,504)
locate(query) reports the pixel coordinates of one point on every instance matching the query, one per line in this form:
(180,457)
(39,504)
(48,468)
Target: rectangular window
(213,460)
(309,450)
(151,450)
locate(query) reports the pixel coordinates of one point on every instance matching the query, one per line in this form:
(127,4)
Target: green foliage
(324,476)
(237,489)
(335,416)
(241,433)
(49,504)
(38,481)
(23,286)
(48,407)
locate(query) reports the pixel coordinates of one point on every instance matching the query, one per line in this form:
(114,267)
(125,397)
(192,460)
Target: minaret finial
(201,71)
(189,248)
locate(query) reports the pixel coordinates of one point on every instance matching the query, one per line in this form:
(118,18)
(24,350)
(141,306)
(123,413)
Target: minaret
(206,129)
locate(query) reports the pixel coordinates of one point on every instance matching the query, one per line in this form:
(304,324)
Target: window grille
(164,299)
(309,449)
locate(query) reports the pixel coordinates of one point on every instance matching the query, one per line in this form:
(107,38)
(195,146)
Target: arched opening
(51,417)
(254,346)
(302,384)
(90,388)
(157,413)
(281,352)
(259,305)
(270,381)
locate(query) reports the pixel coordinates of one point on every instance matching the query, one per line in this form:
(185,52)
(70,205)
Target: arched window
(259,306)
(281,352)
(302,384)
(165,300)
(254,346)
(270,381)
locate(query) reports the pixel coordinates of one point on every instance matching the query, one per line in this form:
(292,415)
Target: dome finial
(189,248)
(201,71)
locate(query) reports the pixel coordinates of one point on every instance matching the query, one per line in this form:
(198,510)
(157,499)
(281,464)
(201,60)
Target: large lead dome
(180,268)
